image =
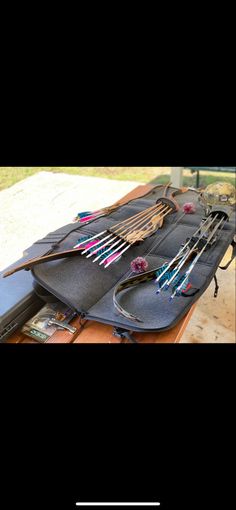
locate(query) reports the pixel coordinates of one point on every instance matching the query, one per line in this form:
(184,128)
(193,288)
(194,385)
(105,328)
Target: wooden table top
(95,332)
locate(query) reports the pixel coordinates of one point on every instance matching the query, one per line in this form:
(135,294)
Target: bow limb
(179,191)
(130,282)
(39,260)
(166,188)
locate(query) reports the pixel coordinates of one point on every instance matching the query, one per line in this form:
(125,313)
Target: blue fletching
(84,214)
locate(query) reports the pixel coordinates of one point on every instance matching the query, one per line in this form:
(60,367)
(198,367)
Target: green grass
(205,179)
(11,175)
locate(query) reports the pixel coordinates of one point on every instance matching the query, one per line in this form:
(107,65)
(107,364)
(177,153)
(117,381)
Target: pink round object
(139,265)
(189,208)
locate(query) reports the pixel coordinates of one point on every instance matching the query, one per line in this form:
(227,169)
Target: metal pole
(198,179)
(177,176)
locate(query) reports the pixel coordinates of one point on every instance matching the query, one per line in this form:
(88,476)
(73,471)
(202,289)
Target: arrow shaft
(193,263)
(90,239)
(181,250)
(185,257)
(119,254)
(88,249)
(142,221)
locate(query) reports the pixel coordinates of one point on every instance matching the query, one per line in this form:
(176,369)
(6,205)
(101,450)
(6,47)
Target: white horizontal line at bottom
(153,504)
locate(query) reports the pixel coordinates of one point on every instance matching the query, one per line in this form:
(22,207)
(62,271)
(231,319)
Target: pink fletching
(89,245)
(85,246)
(112,257)
(88,218)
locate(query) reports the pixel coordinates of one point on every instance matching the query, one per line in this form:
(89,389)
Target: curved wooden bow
(163,204)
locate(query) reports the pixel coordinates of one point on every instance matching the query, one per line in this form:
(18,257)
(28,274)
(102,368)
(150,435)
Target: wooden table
(95,332)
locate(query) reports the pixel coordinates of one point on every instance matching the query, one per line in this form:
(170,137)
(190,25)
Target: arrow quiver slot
(193,240)
(204,231)
(222,212)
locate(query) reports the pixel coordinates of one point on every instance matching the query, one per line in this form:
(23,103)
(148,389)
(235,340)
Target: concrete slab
(46,201)
(213,320)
